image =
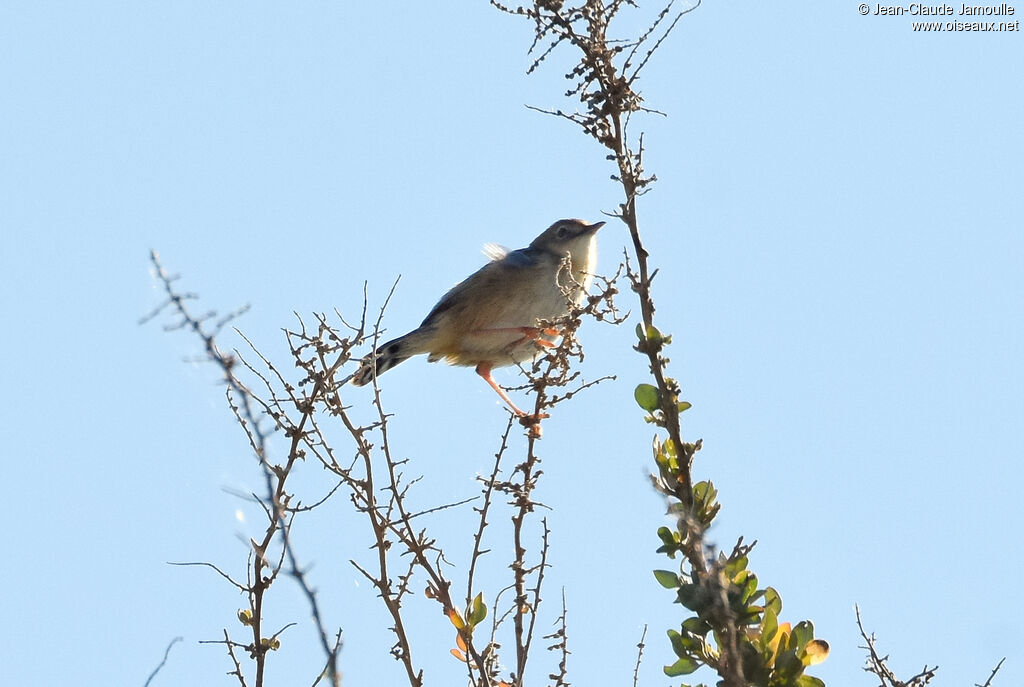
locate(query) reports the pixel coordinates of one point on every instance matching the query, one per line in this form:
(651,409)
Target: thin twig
(220,572)
(639,657)
(174,641)
(878,666)
(995,670)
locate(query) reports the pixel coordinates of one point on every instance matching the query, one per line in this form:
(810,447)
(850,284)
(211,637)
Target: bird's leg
(484,370)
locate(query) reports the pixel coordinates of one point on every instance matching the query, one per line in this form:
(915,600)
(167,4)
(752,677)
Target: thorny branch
(639,657)
(378,487)
(248,409)
(992,675)
(552,370)
(876,664)
(375,479)
(561,645)
(603,82)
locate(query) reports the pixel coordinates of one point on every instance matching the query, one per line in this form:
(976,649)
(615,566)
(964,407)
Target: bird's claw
(532,423)
(536,334)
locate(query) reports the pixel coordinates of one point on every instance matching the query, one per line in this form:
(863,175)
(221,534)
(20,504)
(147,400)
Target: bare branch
(639,657)
(220,572)
(488,490)
(877,664)
(995,670)
(560,645)
(167,652)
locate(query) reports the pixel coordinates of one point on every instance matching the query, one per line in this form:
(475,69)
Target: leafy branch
(735,631)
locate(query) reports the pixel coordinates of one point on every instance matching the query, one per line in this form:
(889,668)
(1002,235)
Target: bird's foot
(537,334)
(532,423)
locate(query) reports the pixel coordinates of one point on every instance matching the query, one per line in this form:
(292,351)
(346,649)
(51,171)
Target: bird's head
(573,237)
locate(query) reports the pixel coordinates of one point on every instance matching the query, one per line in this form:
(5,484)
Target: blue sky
(838,226)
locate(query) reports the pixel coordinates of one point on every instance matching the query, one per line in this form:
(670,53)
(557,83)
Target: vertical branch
(523,505)
(561,645)
(605,91)
(639,657)
(488,490)
(551,371)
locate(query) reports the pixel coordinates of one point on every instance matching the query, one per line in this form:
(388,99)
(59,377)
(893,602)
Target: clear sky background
(839,230)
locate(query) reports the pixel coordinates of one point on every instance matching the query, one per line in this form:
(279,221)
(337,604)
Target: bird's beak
(594,227)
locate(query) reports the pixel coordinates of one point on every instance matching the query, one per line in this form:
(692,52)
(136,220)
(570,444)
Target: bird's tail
(390,354)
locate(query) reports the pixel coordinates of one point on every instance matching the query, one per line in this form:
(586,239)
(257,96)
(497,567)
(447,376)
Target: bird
(493,317)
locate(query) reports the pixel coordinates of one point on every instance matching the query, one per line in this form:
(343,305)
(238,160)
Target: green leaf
(809,681)
(693,597)
(704,492)
(671,541)
(788,667)
(683,666)
(684,406)
(479,610)
(735,566)
(696,626)
(803,633)
(769,626)
(772,601)
(749,587)
(749,616)
(678,645)
(685,645)
(667,578)
(646,397)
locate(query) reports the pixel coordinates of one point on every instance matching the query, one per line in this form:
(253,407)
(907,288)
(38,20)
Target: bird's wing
(497,272)
(524,257)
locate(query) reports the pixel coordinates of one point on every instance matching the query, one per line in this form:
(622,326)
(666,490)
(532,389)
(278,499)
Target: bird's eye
(562,231)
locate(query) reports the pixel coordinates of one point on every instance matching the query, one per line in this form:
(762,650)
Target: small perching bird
(492,318)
